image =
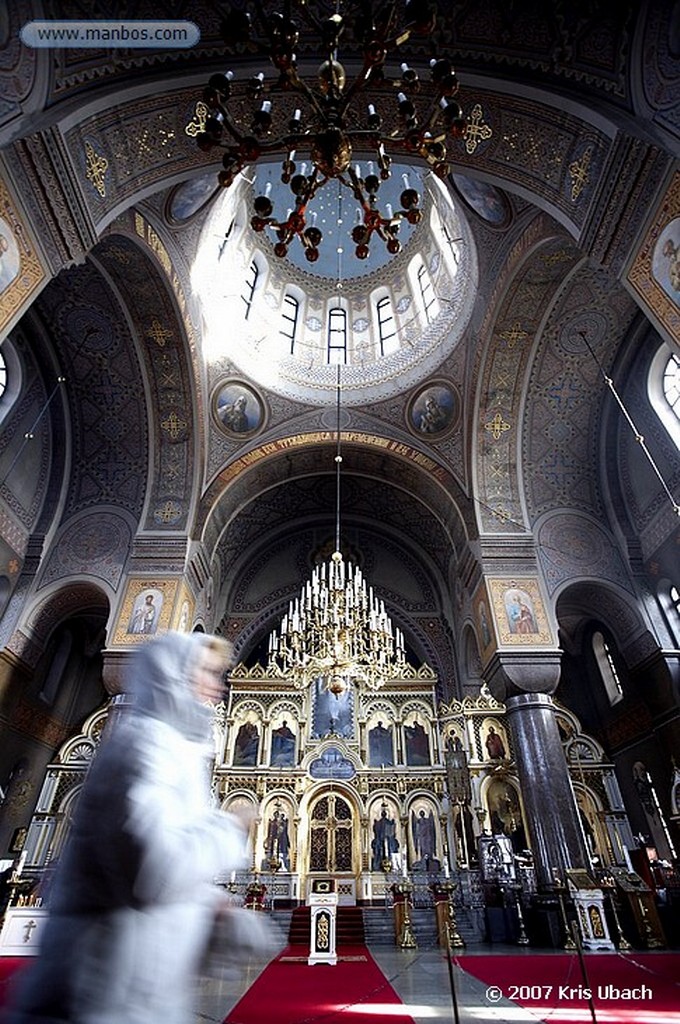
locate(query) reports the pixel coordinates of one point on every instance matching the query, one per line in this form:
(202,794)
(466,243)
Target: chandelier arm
(303,9)
(360,82)
(434,115)
(427,114)
(299,85)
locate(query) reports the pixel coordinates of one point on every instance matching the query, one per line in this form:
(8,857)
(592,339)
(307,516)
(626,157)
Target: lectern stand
(323,901)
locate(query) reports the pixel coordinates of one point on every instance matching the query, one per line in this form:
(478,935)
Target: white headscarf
(161,687)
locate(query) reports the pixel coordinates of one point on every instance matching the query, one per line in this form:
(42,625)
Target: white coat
(133,899)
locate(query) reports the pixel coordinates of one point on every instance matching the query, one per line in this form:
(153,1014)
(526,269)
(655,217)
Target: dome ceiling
(390,325)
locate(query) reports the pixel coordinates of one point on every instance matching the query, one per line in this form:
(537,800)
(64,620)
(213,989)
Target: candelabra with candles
(561,890)
(608,883)
(328,121)
(406,938)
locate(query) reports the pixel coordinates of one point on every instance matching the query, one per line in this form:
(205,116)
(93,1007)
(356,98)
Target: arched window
(668,596)
(11,378)
(290,313)
(452,252)
(249,291)
(675,599)
(663,388)
(387,331)
(608,672)
(337,335)
(428,298)
(671,385)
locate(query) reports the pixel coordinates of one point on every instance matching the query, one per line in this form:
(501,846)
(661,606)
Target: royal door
(331,835)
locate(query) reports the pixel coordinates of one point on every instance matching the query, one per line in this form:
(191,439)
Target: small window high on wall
(675,598)
(427,295)
(663,388)
(337,335)
(671,385)
(249,287)
(387,331)
(11,378)
(608,672)
(290,314)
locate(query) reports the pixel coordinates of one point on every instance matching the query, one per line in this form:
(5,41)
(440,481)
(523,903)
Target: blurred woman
(132,902)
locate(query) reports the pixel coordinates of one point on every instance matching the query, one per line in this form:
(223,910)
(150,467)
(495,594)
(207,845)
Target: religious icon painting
(282,744)
(146,610)
(655,270)
(333,714)
(21,271)
(416,744)
(245,753)
(380,744)
(184,610)
(487,201)
(519,613)
(190,197)
(276,835)
(434,409)
(494,740)
(385,831)
(238,409)
(425,852)
(484,622)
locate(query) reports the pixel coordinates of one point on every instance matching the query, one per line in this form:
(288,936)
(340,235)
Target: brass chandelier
(337,629)
(332,121)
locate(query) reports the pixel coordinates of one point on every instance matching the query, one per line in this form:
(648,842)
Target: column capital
(511,673)
(114,670)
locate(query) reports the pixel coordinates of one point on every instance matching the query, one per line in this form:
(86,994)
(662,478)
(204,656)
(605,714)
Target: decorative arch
(179,407)
(541,258)
(333,848)
(579,605)
(58,603)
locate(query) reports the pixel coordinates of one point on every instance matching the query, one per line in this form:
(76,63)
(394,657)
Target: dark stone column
(552,817)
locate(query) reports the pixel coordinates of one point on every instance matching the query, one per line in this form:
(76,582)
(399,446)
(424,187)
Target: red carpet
(289,991)
(630,988)
(9,966)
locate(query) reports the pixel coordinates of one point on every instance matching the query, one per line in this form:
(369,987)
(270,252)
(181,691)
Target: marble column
(555,832)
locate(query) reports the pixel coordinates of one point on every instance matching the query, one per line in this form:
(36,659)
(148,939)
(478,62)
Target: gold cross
(168,512)
(514,334)
(95,169)
(501,513)
(497,426)
(158,333)
(476,130)
(197,123)
(173,425)
(579,174)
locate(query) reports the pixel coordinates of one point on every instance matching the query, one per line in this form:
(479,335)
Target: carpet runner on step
(349,926)
(289,991)
(631,988)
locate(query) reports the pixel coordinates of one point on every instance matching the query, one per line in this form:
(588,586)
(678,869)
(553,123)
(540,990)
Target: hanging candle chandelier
(330,119)
(337,629)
